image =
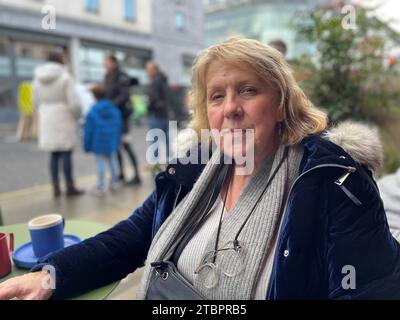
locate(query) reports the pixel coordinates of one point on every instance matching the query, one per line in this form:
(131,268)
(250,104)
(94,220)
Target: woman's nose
(233,107)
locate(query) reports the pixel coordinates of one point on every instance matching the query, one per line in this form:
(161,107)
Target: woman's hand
(31,286)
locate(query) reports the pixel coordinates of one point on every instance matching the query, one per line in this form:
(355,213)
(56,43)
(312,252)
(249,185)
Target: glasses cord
(231,170)
(236,242)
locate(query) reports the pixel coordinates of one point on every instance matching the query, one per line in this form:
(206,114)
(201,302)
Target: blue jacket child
(102,135)
(102,130)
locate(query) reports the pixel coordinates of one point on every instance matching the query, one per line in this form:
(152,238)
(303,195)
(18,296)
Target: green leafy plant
(348,75)
(348,78)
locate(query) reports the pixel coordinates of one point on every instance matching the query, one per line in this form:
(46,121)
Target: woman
(291,229)
(58,108)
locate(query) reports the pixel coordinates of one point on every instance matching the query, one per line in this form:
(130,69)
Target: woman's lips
(236,131)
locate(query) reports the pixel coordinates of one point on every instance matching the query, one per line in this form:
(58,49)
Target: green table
(83,229)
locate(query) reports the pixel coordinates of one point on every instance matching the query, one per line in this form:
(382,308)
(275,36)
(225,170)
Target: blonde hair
(299,116)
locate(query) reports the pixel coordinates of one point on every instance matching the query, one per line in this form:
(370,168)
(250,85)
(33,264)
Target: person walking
(59,110)
(158,108)
(117,85)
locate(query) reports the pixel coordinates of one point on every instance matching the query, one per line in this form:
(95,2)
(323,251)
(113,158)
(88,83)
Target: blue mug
(47,234)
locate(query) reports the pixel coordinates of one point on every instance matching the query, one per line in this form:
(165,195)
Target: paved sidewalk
(21,205)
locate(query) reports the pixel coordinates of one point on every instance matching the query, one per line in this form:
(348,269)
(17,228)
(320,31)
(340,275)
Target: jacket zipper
(343,178)
(340,180)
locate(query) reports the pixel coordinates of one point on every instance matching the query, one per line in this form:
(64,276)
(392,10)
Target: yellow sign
(25,106)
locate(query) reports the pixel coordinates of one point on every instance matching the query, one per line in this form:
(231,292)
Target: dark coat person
(158,96)
(117,84)
(311,250)
(158,106)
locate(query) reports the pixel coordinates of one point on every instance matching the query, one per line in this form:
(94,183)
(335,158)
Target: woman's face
(238,99)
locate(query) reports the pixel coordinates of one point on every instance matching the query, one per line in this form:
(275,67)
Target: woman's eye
(248,90)
(216,97)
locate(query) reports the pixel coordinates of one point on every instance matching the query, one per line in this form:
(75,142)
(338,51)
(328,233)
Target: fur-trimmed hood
(359,140)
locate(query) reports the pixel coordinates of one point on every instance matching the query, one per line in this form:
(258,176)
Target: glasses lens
(208,275)
(231,263)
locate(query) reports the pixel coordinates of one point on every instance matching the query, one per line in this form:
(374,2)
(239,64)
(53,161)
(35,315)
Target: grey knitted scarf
(255,238)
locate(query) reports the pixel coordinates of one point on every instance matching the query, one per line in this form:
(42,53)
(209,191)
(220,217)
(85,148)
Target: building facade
(170,32)
(264,20)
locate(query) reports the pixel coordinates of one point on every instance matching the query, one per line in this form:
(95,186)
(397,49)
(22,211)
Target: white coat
(58,106)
